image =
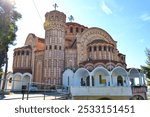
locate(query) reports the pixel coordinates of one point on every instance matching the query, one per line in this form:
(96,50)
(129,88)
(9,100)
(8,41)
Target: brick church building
(70,45)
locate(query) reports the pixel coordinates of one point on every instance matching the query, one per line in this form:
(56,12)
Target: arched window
(71,30)
(95,48)
(77,30)
(82,29)
(109,48)
(90,49)
(27,52)
(18,53)
(82,82)
(10,80)
(22,53)
(59,47)
(92,81)
(88,81)
(104,48)
(50,47)
(119,81)
(100,48)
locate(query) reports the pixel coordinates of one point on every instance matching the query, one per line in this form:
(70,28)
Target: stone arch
(110,66)
(9,81)
(87,37)
(100,65)
(119,71)
(101,76)
(89,66)
(26,79)
(81,73)
(68,78)
(119,65)
(135,77)
(17,82)
(30,40)
(98,32)
(143,78)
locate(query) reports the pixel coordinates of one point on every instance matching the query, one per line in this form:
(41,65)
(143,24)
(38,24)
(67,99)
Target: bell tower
(54,46)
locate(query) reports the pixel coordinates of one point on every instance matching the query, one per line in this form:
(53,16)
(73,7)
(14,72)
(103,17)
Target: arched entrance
(17,82)
(119,81)
(135,78)
(26,80)
(101,77)
(82,77)
(68,78)
(8,83)
(120,77)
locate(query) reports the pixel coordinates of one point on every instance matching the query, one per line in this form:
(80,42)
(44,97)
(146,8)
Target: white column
(127,81)
(111,80)
(140,80)
(90,80)
(143,78)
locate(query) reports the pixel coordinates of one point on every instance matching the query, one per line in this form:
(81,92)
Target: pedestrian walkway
(35,96)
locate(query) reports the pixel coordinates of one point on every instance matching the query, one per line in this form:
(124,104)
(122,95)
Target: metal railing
(17,89)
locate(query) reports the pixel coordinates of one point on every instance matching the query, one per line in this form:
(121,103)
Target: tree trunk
(5,73)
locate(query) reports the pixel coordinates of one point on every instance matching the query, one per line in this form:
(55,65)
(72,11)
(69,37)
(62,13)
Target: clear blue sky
(127,21)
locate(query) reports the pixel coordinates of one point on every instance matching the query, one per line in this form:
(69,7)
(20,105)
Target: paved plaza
(34,96)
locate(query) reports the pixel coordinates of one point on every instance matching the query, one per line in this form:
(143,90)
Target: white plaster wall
(25,80)
(96,80)
(68,74)
(17,83)
(80,73)
(102,91)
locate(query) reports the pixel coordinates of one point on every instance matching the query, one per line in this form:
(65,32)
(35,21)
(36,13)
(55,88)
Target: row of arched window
(101,48)
(120,81)
(76,29)
(23,52)
(55,47)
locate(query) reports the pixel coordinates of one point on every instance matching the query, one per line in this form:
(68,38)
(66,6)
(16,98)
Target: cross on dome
(71,18)
(55,6)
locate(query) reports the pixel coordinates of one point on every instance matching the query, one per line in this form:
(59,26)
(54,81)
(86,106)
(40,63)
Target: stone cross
(71,18)
(55,6)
